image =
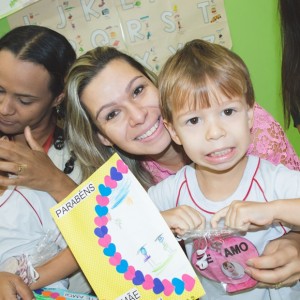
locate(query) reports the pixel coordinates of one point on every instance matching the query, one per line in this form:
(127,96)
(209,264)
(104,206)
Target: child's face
(215,138)
(229,267)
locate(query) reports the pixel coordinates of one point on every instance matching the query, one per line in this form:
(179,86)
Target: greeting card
(121,241)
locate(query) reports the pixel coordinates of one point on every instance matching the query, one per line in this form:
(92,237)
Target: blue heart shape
(101,210)
(101,232)
(158,286)
(115,175)
(179,285)
(104,190)
(122,267)
(110,250)
(139,278)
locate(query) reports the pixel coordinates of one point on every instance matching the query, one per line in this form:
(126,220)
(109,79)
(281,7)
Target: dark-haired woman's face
(25,98)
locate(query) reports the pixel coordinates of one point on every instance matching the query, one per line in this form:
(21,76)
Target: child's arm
(244,215)
(60,266)
(183,218)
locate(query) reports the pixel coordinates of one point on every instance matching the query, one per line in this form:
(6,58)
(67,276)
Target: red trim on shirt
(29,203)
(48,142)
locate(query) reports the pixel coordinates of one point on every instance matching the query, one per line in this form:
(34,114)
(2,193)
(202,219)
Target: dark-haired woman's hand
(33,168)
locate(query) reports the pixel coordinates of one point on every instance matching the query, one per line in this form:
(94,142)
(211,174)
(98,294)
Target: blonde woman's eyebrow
(130,83)
(127,90)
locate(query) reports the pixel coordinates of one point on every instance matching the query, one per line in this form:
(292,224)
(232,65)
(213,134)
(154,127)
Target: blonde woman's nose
(137,114)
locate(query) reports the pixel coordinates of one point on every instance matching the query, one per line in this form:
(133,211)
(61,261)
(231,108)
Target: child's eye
(193,121)
(138,90)
(228,111)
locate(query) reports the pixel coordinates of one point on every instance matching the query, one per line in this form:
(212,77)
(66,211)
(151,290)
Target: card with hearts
(121,241)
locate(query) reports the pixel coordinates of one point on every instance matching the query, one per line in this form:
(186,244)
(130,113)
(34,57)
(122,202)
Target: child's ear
(250,114)
(104,140)
(172,132)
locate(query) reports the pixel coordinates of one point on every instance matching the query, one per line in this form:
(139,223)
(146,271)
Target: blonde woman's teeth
(149,132)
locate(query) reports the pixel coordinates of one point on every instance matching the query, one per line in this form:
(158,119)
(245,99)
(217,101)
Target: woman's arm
(270,142)
(61,266)
(12,285)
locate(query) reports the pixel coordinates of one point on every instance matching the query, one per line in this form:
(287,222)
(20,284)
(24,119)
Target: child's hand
(244,215)
(183,218)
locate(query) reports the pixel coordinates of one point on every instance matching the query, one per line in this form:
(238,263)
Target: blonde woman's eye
(138,90)
(111,115)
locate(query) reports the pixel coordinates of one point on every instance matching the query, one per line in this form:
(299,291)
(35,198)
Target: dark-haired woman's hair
(289,11)
(42,46)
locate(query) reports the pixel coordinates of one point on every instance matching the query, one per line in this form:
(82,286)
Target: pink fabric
(268,142)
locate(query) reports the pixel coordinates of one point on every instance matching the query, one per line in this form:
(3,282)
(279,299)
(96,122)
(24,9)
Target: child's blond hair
(200,71)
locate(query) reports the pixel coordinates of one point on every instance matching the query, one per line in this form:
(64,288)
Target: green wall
(254,27)
(3,26)
(255,32)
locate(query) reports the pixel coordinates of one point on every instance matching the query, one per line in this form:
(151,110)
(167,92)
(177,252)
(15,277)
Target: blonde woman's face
(124,106)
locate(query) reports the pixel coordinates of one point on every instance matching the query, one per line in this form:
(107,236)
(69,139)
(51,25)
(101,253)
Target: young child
(207,103)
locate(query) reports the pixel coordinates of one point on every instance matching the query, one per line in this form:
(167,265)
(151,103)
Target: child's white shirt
(261,182)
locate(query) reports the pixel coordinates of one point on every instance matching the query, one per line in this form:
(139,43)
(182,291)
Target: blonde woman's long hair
(80,129)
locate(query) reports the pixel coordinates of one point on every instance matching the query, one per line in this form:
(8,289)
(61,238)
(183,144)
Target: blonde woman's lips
(149,132)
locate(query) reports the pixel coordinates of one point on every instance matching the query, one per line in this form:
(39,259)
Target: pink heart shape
(148,283)
(169,288)
(110,182)
(130,273)
(101,221)
(102,200)
(105,241)
(189,282)
(115,260)
(122,167)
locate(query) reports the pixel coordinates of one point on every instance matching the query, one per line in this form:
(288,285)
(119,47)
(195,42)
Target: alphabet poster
(8,7)
(148,30)
(121,241)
